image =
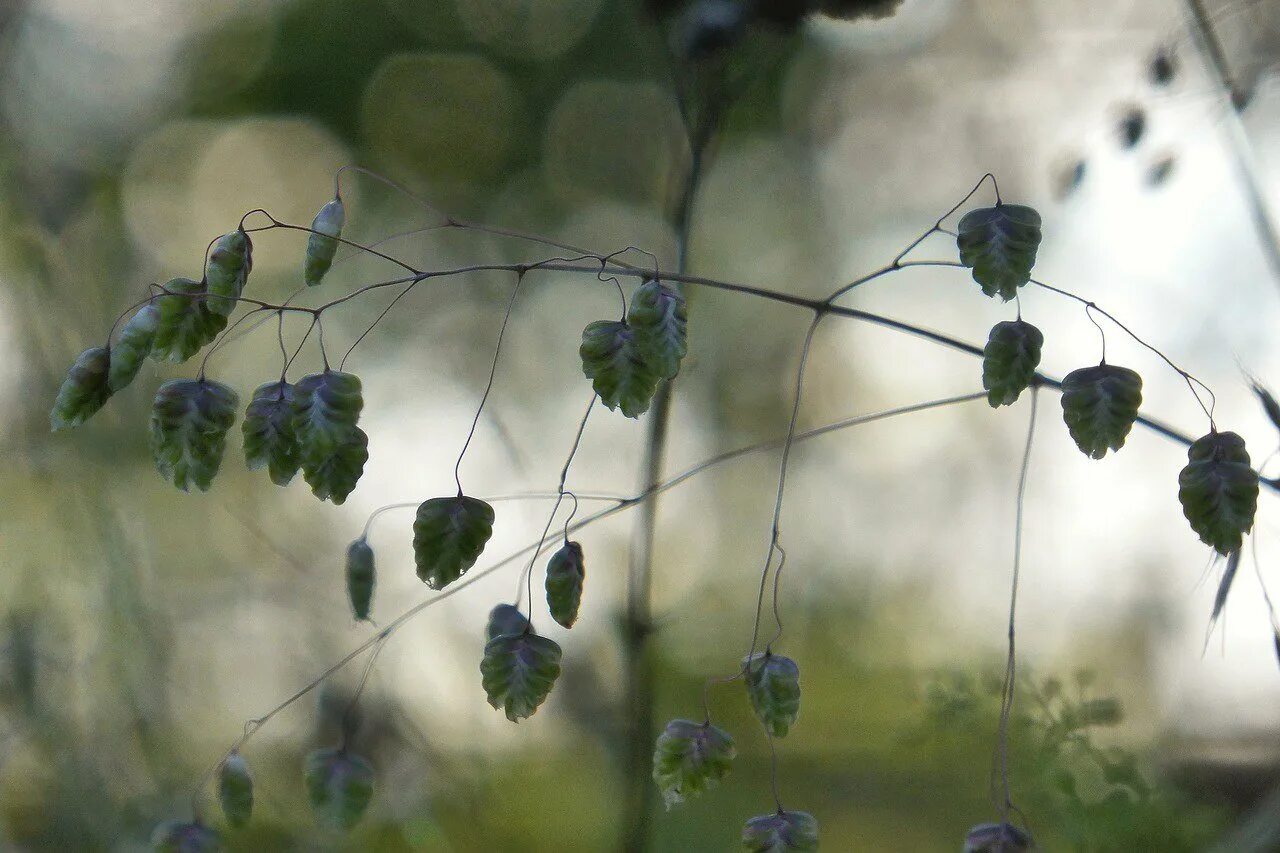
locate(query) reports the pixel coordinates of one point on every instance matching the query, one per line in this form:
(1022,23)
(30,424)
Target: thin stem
(1005,804)
(493,372)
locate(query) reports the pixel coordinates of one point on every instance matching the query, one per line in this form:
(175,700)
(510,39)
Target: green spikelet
(186,325)
(321,247)
(566,573)
(449,535)
(689,758)
(133,346)
(332,449)
(269,440)
(189,423)
(1099,405)
(339,786)
(1009,361)
(780,832)
(1219,490)
(773,684)
(229,267)
(658,317)
(616,366)
(84,391)
(518,672)
(999,244)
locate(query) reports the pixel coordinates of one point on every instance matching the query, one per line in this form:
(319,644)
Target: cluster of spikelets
(312,426)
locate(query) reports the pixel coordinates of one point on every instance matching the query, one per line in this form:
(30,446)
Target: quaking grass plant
(310,426)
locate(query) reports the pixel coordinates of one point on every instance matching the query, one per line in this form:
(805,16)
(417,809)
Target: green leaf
(339,785)
(996,838)
(235,790)
(133,346)
(322,247)
(332,450)
(186,324)
(999,243)
(506,619)
(658,318)
(84,391)
(1219,490)
(518,672)
(1101,712)
(773,684)
(566,573)
(689,758)
(189,423)
(780,832)
(1099,405)
(449,535)
(1009,361)
(360,577)
(174,836)
(229,267)
(268,432)
(614,363)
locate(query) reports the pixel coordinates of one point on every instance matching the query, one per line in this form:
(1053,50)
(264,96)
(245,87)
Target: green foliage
(780,832)
(189,423)
(229,267)
(235,790)
(84,391)
(999,243)
(996,838)
(1099,405)
(1219,490)
(176,837)
(566,573)
(518,672)
(360,577)
(449,535)
(339,786)
(1009,361)
(133,346)
(658,318)
(505,619)
(773,684)
(332,450)
(615,364)
(186,324)
(269,438)
(689,758)
(321,247)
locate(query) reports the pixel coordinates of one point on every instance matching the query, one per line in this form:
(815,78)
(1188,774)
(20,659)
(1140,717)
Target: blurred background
(142,627)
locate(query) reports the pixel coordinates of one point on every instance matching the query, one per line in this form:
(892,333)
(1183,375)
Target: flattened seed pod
(321,246)
(1099,406)
(449,535)
(332,449)
(133,346)
(659,318)
(229,267)
(189,423)
(84,391)
(235,790)
(617,368)
(1009,361)
(781,831)
(689,758)
(566,573)
(999,244)
(518,672)
(186,324)
(505,619)
(339,785)
(773,685)
(269,439)
(1218,490)
(360,577)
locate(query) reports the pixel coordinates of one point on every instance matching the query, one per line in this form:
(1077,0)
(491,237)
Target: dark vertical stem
(1206,39)
(638,666)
